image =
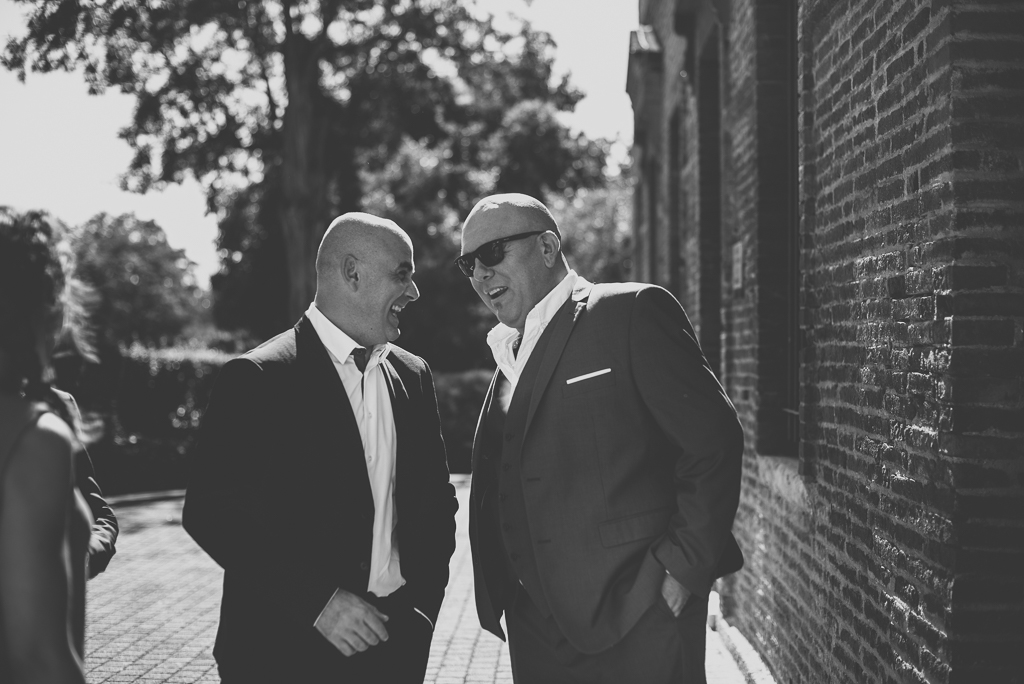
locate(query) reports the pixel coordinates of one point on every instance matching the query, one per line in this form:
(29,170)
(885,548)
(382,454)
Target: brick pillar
(982,301)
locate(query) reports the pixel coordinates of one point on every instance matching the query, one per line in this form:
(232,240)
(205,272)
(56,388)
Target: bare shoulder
(51,433)
(44,450)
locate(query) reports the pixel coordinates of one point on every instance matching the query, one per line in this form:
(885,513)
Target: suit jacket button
(503,496)
(506,466)
(508,436)
(364,566)
(506,527)
(514,556)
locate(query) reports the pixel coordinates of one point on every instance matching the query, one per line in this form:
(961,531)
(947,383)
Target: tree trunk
(304,207)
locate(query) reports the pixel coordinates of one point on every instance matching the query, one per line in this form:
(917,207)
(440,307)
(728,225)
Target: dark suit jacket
(279,496)
(625,474)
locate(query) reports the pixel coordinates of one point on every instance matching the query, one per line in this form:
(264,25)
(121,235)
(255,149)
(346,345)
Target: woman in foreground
(44,522)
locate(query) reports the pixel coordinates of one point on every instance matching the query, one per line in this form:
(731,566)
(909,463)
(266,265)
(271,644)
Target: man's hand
(351,624)
(674,593)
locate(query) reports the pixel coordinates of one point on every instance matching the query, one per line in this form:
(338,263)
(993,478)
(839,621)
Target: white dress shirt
(371,403)
(501,338)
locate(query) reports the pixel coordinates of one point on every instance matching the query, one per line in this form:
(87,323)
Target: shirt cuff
(317,621)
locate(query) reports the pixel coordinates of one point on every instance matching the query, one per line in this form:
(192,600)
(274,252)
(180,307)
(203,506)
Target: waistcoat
(504,434)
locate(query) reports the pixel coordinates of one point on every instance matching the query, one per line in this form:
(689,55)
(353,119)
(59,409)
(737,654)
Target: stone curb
(747,660)
(145,497)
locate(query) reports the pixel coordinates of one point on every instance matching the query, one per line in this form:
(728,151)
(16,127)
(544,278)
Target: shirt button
(364,566)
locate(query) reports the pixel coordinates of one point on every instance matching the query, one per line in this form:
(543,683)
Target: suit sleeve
(228,504)
(694,413)
(425,566)
(104,528)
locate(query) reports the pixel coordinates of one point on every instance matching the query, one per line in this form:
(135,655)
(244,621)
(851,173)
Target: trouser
(660,649)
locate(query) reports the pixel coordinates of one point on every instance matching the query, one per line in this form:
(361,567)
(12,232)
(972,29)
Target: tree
(597,227)
(301,98)
(419,190)
(145,289)
(536,154)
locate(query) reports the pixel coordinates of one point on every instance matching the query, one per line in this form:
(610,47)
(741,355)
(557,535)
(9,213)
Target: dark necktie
(361,355)
(515,345)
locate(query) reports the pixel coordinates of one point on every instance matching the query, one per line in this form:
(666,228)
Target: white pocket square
(587,376)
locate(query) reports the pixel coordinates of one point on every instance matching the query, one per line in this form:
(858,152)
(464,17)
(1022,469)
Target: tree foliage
(145,289)
(287,111)
(597,229)
(447,325)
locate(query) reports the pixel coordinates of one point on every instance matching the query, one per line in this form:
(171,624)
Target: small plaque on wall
(737,266)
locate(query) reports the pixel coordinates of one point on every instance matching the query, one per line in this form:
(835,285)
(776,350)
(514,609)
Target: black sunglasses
(490,253)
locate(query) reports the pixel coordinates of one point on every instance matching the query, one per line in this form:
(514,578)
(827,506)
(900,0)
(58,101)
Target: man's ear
(550,247)
(350,270)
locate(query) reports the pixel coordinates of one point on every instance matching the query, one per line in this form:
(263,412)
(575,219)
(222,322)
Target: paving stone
(152,616)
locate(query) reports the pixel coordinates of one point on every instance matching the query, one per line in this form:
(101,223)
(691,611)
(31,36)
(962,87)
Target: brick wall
(892,549)
(979,290)
(879,126)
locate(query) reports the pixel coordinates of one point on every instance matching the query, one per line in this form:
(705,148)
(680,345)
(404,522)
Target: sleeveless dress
(17,417)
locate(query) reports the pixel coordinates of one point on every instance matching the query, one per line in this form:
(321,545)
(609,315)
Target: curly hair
(31,282)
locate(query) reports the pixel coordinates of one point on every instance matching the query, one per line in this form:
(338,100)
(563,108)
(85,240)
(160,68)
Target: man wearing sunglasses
(606,464)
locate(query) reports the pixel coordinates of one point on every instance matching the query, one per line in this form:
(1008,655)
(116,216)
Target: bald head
(364,271)
(354,233)
(518,212)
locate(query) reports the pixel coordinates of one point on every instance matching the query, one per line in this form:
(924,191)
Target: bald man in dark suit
(606,465)
(320,482)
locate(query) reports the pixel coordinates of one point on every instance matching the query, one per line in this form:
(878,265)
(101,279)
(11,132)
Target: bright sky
(59,149)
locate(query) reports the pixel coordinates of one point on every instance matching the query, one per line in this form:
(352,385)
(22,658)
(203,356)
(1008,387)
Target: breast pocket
(601,378)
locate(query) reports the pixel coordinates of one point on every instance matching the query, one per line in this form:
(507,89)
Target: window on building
(778,253)
(653,185)
(675,202)
(709,151)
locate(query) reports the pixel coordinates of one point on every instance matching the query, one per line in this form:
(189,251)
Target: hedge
(139,441)
(153,421)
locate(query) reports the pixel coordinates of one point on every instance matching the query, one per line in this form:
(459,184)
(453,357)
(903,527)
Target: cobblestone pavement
(152,615)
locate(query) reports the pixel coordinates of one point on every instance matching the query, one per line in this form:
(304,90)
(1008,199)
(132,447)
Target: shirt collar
(337,342)
(501,337)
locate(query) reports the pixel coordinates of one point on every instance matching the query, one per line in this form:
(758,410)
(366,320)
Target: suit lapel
(336,432)
(480,484)
(399,394)
(478,436)
(400,411)
(563,324)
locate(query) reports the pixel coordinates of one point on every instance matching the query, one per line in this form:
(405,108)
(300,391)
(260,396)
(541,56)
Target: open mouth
(495,293)
(396,309)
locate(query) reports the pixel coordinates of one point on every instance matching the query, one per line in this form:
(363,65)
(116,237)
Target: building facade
(834,189)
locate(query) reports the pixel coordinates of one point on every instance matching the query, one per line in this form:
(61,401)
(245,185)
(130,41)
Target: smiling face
(385,287)
(364,270)
(529,270)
